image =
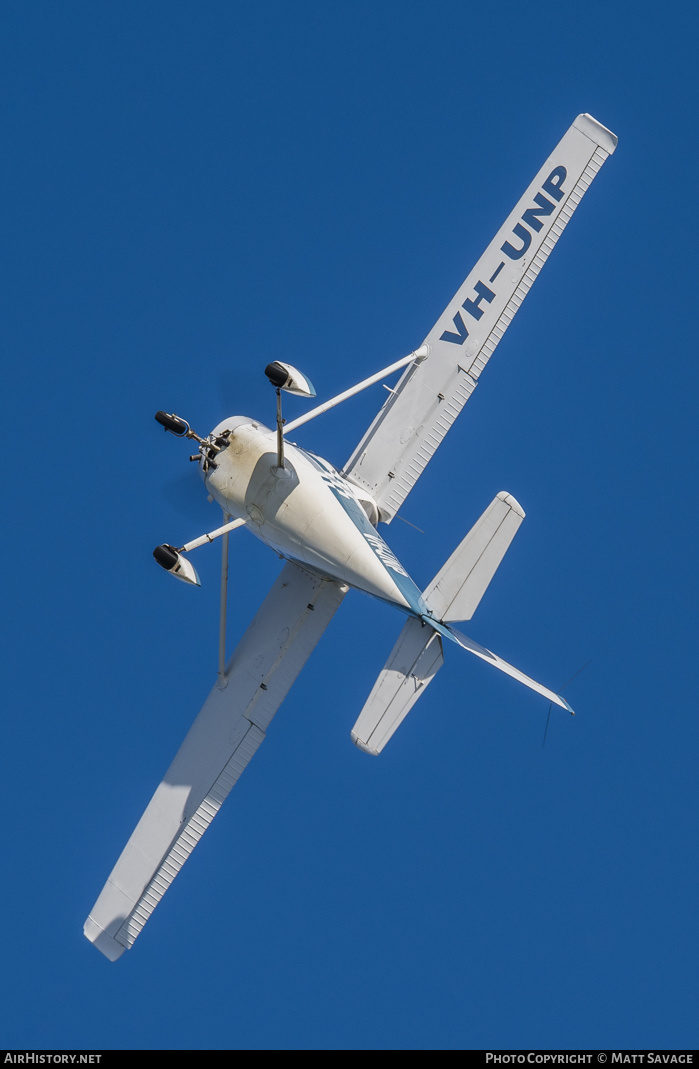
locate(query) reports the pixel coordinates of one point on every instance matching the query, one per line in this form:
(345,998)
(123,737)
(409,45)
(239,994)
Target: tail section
(457,588)
(453,594)
(497,662)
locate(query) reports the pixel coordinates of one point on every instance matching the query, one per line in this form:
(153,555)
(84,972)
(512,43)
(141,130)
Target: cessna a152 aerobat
(323,521)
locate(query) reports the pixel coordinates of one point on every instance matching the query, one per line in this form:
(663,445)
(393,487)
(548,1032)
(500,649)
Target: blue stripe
(383,553)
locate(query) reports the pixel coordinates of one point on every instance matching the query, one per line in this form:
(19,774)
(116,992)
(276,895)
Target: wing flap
(430,395)
(220,744)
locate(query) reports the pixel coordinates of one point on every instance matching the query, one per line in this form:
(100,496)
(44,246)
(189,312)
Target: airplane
(323,521)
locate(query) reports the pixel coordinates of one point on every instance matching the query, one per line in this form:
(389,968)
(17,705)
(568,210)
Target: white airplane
(323,522)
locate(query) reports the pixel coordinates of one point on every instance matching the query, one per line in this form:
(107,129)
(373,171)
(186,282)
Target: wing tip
(511,500)
(102,941)
(363,746)
(593,129)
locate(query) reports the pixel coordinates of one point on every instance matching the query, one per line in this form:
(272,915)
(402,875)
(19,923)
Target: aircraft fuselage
(306,512)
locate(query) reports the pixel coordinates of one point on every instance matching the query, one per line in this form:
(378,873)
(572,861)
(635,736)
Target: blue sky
(190,191)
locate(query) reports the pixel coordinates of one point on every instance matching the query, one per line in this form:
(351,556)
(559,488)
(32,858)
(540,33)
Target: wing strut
(412,358)
(222,679)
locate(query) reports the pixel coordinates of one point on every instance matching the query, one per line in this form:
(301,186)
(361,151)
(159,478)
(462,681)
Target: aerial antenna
(413,525)
(560,692)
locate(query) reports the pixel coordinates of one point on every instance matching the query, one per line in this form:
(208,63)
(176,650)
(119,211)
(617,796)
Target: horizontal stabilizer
(458,587)
(414,662)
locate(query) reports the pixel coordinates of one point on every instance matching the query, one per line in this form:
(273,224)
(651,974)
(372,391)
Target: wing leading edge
(222,740)
(430,394)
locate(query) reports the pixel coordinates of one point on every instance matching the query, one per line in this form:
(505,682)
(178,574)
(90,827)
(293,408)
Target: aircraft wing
(220,743)
(432,391)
